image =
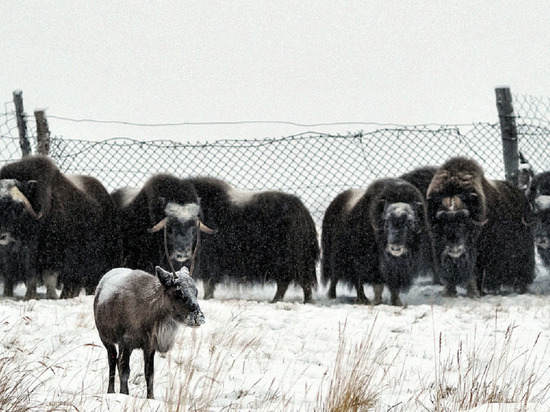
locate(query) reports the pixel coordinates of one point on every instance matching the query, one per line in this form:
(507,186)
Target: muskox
(261,237)
(538,195)
(479,228)
(73,225)
(136,310)
(160,224)
(375,236)
(18,232)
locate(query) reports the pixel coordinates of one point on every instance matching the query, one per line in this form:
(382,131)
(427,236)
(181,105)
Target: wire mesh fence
(314,166)
(533,126)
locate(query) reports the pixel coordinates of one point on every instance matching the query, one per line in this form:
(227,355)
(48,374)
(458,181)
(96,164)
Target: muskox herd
(450,222)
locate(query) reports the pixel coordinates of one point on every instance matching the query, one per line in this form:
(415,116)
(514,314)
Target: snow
(254,355)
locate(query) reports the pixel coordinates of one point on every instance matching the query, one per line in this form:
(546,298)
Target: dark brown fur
(354,240)
(499,246)
(142,249)
(76,227)
(268,237)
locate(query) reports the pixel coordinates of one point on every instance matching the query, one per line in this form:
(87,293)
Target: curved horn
(16,194)
(206,229)
(160,225)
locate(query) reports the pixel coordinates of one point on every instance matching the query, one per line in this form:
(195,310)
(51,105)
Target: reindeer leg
(112,360)
(149,360)
(124,367)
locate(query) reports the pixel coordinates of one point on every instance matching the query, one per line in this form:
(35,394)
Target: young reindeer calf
(136,310)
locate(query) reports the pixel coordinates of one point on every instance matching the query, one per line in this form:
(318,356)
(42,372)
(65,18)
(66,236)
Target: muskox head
(181,226)
(17,215)
(453,224)
(538,195)
(398,225)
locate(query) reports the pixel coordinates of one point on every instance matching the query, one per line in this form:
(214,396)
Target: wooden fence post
(42,132)
(21,123)
(509,134)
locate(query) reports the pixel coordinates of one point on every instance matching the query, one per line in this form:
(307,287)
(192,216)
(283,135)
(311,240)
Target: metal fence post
(42,132)
(21,123)
(509,133)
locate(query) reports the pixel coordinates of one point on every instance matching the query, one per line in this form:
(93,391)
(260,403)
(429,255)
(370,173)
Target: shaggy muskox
(481,239)
(160,224)
(70,223)
(538,195)
(261,237)
(18,232)
(375,236)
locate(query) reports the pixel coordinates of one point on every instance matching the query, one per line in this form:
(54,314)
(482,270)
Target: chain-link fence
(314,166)
(533,127)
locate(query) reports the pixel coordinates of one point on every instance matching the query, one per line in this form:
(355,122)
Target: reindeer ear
(165,277)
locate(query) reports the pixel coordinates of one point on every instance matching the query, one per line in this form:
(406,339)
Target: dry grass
(357,377)
(488,372)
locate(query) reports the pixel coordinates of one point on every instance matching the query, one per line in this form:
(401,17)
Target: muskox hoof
(449,292)
(378,289)
(362,300)
(472,291)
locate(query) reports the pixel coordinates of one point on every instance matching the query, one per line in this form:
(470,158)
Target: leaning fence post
(21,123)
(42,132)
(509,133)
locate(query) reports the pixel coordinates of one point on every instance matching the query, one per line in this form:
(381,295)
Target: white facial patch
(399,209)
(5,186)
(542,202)
(182,212)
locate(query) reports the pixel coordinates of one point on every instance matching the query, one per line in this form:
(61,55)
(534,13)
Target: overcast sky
(403,62)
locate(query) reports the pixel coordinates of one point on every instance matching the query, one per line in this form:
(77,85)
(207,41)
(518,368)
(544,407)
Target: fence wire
(533,126)
(314,166)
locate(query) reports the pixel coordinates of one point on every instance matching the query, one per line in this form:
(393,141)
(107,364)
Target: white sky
(404,62)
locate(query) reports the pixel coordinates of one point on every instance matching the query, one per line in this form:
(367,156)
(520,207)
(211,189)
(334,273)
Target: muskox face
(183,296)
(400,225)
(181,226)
(455,231)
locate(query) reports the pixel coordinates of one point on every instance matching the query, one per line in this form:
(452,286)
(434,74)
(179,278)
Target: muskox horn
(16,194)
(160,225)
(206,229)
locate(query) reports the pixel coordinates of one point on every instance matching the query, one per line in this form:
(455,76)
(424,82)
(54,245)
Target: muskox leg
(395,299)
(331,294)
(112,360)
(124,367)
(472,291)
(282,286)
(308,292)
(149,360)
(31,283)
(49,277)
(361,297)
(449,291)
(8,286)
(209,287)
(378,289)
(70,290)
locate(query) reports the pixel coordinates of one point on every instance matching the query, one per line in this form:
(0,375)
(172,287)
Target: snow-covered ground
(433,354)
